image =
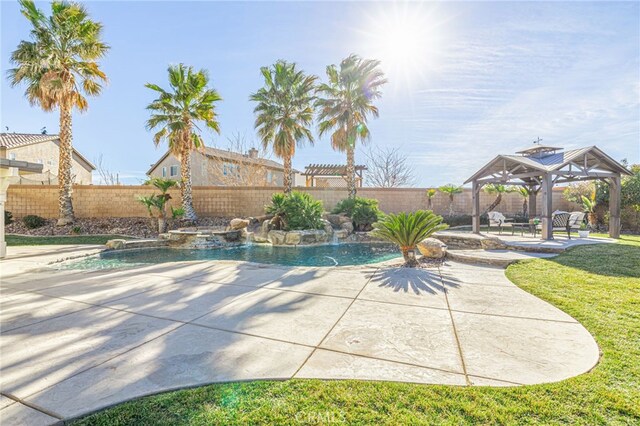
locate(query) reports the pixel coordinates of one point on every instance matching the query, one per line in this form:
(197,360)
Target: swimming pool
(323,255)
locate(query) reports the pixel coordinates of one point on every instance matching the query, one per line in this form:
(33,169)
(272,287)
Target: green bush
(295,211)
(32,221)
(406,230)
(466,219)
(8,217)
(364,212)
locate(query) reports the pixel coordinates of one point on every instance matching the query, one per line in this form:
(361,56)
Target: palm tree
(59,67)
(406,230)
(451,190)
(498,190)
(176,113)
(345,104)
(431,192)
(284,112)
(159,201)
(524,192)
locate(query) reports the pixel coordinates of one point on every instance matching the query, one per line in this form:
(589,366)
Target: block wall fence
(121,201)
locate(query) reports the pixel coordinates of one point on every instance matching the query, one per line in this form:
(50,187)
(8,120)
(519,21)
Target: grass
(27,240)
(599,285)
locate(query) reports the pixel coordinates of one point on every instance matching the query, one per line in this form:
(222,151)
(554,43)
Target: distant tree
(523,192)
(60,66)
(388,168)
(176,113)
(431,192)
(451,190)
(107,177)
(497,190)
(345,104)
(284,112)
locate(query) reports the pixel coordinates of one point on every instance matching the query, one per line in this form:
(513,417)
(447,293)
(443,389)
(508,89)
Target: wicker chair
(560,222)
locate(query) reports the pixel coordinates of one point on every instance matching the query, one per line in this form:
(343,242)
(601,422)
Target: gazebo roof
(587,162)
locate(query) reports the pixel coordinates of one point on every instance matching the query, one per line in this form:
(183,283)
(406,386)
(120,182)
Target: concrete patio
(75,342)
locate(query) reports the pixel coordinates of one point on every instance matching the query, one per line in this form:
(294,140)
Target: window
(164,172)
(173,171)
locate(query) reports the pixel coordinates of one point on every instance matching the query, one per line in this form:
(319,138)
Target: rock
(276,237)
(432,248)
(116,244)
(338,219)
(340,234)
(492,243)
(347,226)
(328,229)
(293,238)
(237,223)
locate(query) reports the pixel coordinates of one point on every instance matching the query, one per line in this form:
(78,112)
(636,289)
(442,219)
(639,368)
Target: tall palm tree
(284,112)
(59,67)
(176,114)
(451,190)
(346,103)
(498,190)
(524,192)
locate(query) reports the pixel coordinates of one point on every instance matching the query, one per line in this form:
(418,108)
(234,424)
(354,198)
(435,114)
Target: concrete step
(500,258)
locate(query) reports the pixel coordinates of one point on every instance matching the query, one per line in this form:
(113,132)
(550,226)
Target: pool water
(323,255)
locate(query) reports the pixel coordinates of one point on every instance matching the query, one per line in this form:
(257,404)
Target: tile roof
(14,140)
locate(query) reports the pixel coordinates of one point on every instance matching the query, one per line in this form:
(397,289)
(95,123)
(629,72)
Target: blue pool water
(324,255)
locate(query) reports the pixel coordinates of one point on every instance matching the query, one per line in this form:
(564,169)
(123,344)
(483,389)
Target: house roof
(590,156)
(16,140)
(237,157)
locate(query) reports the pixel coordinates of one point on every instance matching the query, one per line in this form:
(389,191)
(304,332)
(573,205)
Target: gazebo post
(475,209)
(614,206)
(547,206)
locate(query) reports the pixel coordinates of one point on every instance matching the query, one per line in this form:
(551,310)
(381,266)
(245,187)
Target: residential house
(44,149)
(218,167)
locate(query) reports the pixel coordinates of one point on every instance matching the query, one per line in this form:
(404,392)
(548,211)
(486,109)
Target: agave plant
(406,230)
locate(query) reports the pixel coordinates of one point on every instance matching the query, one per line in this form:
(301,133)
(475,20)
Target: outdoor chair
(575,220)
(559,222)
(497,219)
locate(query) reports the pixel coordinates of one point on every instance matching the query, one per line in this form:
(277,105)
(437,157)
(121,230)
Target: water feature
(321,255)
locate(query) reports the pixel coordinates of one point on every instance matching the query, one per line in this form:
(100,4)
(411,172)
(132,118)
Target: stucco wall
(48,153)
(120,201)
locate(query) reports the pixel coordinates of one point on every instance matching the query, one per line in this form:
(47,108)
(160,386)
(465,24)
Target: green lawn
(22,240)
(599,285)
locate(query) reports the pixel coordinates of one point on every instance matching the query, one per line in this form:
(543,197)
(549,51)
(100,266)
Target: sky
(467,80)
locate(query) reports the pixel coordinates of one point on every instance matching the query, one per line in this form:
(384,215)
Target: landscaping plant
(8,217)
(284,112)
(59,67)
(33,221)
(406,230)
(589,205)
(177,114)
(295,211)
(364,212)
(345,104)
(498,190)
(451,190)
(159,201)
(431,192)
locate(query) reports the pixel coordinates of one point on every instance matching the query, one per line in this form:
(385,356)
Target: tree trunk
(185,188)
(451,205)
(351,171)
(409,256)
(429,204)
(495,203)
(287,180)
(65,215)
(525,208)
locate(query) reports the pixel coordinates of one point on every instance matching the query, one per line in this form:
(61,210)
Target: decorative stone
(347,226)
(338,219)
(293,238)
(492,243)
(432,248)
(340,234)
(116,244)
(238,223)
(276,237)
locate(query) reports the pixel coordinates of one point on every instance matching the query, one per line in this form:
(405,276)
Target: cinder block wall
(121,201)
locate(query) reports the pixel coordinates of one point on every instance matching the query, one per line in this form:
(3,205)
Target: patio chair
(575,220)
(559,222)
(498,219)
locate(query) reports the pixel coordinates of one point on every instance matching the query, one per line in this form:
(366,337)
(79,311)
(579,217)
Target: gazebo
(313,171)
(540,167)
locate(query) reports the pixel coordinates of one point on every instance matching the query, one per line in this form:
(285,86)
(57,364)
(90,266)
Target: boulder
(237,223)
(347,226)
(116,244)
(293,238)
(276,237)
(432,248)
(340,234)
(338,219)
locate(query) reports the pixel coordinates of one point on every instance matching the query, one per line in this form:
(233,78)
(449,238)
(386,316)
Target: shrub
(177,212)
(466,220)
(76,230)
(406,230)
(295,211)
(364,212)
(8,217)
(32,221)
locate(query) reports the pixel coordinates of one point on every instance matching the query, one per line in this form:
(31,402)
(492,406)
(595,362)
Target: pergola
(313,171)
(539,168)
